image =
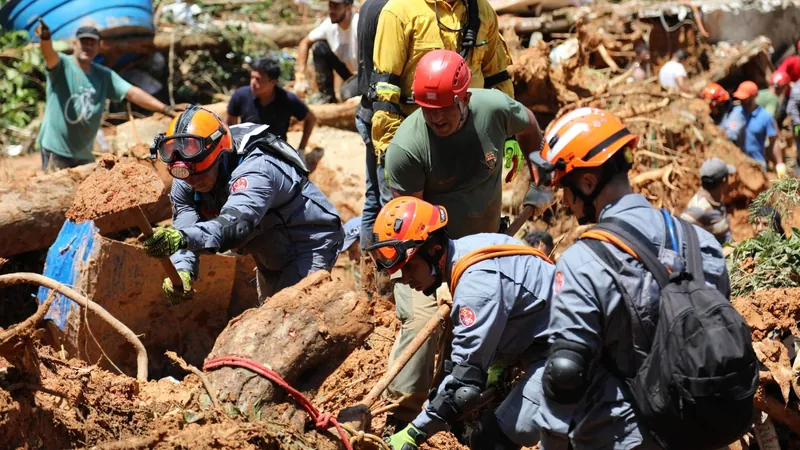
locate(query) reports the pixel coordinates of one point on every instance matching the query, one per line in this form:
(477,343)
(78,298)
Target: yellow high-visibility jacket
(407,29)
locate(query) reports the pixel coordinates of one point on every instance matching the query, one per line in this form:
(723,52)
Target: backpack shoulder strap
(694,256)
(493,251)
(633,242)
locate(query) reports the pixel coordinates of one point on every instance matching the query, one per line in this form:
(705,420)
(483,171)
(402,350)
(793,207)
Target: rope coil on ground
(321,419)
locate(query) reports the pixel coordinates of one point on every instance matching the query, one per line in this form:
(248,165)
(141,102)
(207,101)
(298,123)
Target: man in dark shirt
(264,102)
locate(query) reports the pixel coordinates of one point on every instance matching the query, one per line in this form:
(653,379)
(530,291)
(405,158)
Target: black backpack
(694,388)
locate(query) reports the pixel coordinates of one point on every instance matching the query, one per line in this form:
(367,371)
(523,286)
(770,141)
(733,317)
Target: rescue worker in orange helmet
(241,188)
(499,319)
(719,100)
(588,153)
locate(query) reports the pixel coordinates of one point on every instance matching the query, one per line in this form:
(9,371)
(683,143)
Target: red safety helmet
(441,79)
(401,228)
(715,94)
(779,79)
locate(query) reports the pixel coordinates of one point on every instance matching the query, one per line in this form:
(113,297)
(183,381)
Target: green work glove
(164,242)
(408,439)
(796,129)
(185,292)
(512,158)
(495,373)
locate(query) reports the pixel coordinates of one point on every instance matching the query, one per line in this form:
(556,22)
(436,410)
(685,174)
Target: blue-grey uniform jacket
(587,308)
(499,311)
(294,228)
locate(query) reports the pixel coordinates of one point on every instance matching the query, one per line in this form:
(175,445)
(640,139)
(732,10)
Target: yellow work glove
(494,374)
(174,296)
(408,439)
(164,242)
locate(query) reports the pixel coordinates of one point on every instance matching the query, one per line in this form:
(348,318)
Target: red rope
(321,420)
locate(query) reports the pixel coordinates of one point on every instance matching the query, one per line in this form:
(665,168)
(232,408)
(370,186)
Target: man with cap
(334,45)
(241,188)
(449,152)
(706,209)
(77,89)
(750,126)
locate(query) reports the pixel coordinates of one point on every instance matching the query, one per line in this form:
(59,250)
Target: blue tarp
(66,257)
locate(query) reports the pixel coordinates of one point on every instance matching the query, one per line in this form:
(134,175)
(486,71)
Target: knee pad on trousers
(489,436)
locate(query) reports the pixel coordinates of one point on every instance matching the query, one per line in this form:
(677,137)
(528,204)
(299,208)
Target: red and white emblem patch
(467,316)
(239,185)
(558,283)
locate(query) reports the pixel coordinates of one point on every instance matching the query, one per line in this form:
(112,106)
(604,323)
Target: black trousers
(325,63)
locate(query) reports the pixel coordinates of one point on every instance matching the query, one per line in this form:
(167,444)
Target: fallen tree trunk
(282,36)
(315,323)
(336,115)
(32,212)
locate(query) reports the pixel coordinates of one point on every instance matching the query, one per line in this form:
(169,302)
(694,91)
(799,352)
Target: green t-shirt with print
(75,104)
(463,171)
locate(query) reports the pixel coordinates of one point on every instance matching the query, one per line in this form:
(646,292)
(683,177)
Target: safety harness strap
(494,251)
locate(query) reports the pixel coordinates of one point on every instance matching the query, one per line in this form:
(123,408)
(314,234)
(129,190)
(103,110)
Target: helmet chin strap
(589,210)
(435,265)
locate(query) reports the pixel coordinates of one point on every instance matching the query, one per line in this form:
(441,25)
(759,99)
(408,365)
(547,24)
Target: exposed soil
(770,311)
(115,186)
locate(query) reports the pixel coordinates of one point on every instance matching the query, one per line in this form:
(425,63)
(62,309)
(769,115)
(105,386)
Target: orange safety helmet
(401,228)
(582,138)
(715,94)
(193,142)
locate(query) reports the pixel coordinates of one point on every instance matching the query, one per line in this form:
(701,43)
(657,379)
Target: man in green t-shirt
(77,89)
(450,152)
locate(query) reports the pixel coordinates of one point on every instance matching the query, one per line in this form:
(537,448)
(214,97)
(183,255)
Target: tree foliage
(769,260)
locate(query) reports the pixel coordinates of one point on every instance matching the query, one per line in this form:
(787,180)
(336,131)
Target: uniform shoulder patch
(239,185)
(467,316)
(558,282)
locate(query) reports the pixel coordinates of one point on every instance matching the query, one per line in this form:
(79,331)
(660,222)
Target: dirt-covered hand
(164,242)
(408,439)
(43,31)
(780,169)
(300,83)
(175,296)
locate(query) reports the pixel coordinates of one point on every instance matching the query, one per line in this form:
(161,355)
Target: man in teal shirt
(77,89)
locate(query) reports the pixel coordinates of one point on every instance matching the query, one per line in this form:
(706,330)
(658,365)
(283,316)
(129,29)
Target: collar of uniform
(449,6)
(624,203)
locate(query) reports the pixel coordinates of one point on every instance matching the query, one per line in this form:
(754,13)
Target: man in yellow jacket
(407,30)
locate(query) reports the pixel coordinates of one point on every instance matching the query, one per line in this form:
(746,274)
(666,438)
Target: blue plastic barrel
(64,17)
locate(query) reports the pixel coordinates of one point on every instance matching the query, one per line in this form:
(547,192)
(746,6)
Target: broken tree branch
(41,280)
(203,378)
(30,321)
(776,410)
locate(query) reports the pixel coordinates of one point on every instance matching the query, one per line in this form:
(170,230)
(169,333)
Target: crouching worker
(500,290)
(241,188)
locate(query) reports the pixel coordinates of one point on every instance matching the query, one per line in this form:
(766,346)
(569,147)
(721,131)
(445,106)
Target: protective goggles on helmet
(185,147)
(390,255)
(543,171)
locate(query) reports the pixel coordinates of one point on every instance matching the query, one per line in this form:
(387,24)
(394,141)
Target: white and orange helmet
(580,139)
